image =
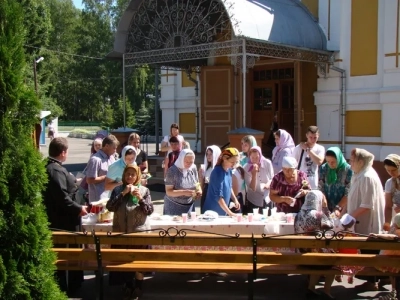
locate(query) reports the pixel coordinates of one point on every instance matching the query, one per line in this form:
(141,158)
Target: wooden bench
(255,255)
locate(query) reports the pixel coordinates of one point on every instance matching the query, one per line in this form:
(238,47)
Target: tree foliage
(26,264)
(76,81)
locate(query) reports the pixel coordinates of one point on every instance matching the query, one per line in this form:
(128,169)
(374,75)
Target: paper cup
(239,217)
(250,217)
(289,218)
(265,212)
(255,211)
(193,215)
(184,218)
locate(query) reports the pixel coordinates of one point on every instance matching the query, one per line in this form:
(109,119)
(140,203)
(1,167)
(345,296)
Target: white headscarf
(216,152)
(289,162)
(180,162)
(123,153)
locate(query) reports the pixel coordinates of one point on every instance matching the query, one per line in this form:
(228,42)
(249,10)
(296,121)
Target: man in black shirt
(62,210)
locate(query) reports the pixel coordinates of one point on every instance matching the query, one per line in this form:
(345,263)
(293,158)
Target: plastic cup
(250,217)
(255,211)
(289,218)
(265,212)
(239,217)
(96,209)
(184,218)
(193,215)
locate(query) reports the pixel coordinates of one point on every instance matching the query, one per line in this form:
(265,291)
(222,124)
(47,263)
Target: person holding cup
(220,186)
(258,176)
(210,160)
(182,185)
(131,204)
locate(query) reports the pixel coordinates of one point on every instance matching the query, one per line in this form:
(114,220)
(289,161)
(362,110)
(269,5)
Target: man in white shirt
(310,155)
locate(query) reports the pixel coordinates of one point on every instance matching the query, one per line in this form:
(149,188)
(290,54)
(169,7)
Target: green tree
(25,240)
(118,115)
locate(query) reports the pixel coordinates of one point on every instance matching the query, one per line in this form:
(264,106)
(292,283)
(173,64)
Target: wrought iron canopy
(193,54)
(185,33)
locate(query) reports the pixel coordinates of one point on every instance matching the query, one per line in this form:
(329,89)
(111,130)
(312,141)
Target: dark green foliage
(85,88)
(26,261)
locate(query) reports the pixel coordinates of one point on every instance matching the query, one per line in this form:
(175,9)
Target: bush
(26,262)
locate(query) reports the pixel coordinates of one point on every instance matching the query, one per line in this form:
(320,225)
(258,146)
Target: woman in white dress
(210,160)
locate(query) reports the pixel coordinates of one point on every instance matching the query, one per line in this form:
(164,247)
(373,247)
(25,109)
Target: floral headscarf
(285,141)
(228,152)
(310,217)
(341,163)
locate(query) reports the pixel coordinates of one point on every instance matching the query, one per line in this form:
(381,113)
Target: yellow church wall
(187,122)
(364,37)
(185,80)
(312,6)
(363,123)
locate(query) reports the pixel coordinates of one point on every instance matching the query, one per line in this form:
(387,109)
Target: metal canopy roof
(182,33)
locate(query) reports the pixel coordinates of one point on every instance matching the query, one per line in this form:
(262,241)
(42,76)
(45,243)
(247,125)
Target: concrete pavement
(189,286)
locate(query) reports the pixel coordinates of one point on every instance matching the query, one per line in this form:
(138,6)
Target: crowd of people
(315,184)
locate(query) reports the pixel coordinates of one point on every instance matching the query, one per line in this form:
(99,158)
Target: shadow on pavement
(234,286)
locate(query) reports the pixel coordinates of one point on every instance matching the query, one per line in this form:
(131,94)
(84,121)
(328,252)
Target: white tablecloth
(223,225)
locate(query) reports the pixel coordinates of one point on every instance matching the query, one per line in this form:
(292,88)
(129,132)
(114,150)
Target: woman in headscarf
(392,188)
(366,199)
(173,153)
(115,170)
(210,160)
(365,202)
(141,156)
(220,187)
(289,187)
(258,177)
(182,185)
(131,204)
(314,216)
(284,147)
(334,179)
(248,142)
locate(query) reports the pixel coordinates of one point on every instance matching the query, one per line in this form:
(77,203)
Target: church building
(247,63)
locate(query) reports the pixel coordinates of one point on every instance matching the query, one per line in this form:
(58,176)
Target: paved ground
(188,286)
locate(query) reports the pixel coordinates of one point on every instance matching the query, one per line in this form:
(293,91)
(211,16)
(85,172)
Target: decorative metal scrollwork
(237,61)
(172,232)
(322,69)
(160,24)
(330,235)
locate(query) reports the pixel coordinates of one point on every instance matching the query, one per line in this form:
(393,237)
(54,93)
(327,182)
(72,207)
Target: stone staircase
(155,169)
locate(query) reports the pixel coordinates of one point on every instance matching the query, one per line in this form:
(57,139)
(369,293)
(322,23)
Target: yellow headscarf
(138,173)
(227,153)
